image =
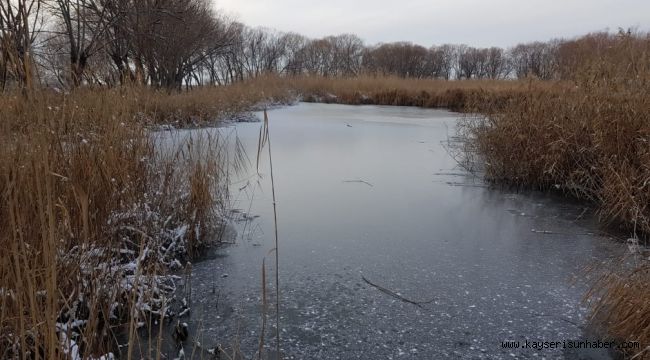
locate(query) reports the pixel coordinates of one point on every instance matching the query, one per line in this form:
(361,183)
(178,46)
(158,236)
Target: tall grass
(623,304)
(92,211)
(592,141)
(427,93)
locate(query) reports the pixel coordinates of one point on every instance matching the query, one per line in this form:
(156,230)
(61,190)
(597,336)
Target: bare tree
(317,57)
(401,59)
(172,37)
(119,19)
(20,21)
(293,45)
(348,50)
(82,23)
(445,58)
(466,65)
(535,59)
(496,65)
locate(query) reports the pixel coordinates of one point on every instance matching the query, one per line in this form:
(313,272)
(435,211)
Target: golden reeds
(590,140)
(427,93)
(92,211)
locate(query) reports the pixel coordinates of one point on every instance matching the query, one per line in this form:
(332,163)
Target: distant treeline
(171,43)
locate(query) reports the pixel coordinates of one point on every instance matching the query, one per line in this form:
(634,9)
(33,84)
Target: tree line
(176,43)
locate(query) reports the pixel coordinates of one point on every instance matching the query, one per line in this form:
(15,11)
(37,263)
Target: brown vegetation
(427,93)
(625,304)
(92,210)
(592,141)
(589,139)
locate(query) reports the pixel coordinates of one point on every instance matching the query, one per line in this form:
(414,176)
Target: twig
(548,232)
(584,211)
(395,295)
(450,174)
(641,353)
(457,184)
(359,181)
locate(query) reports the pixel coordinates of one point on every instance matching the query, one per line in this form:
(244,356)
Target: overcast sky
(427,22)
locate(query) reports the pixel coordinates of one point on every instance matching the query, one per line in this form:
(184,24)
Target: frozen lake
(371,192)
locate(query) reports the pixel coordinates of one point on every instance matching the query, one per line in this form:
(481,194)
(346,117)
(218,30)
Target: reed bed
(590,140)
(591,144)
(623,304)
(95,210)
(427,93)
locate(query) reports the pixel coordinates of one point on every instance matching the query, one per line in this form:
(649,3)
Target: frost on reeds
(94,212)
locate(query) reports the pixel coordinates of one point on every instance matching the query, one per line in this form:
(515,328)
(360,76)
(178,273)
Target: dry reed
(94,213)
(427,93)
(590,140)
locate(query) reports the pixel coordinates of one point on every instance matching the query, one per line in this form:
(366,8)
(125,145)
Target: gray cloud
(473,22)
